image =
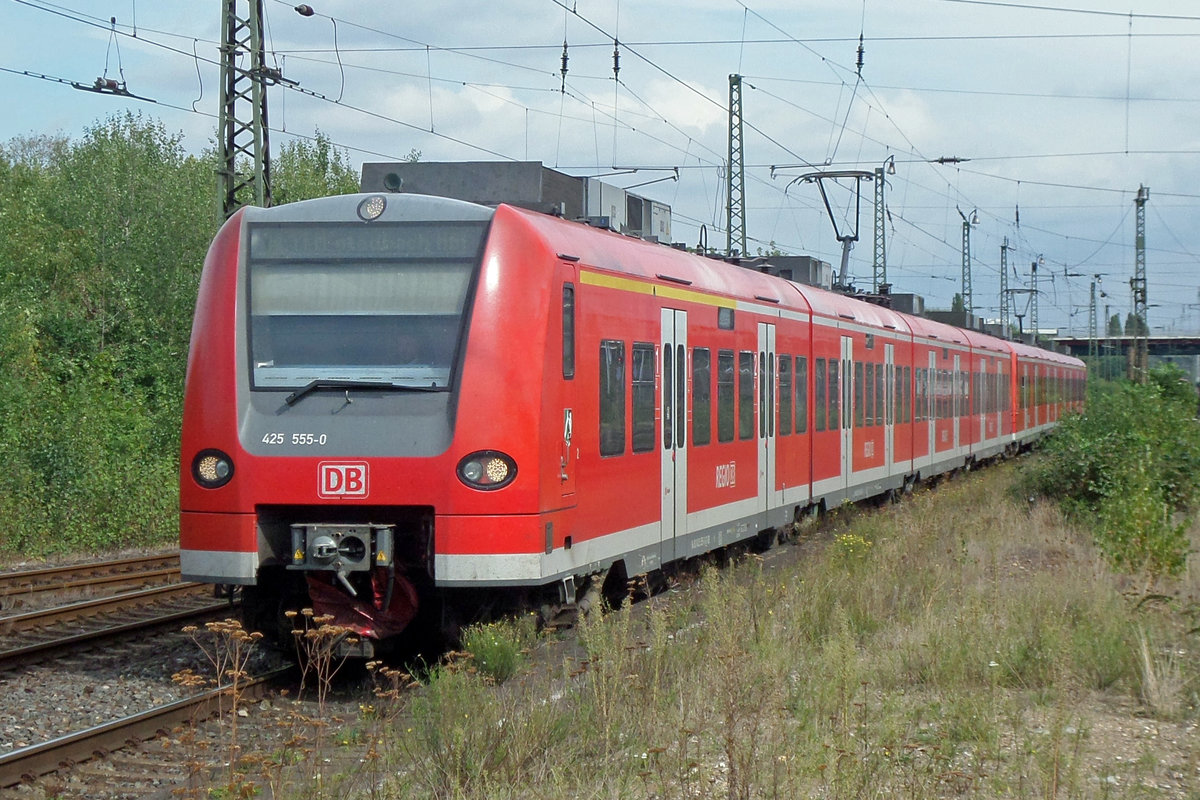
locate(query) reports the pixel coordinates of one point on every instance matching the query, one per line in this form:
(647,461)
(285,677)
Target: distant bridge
(1157,345)
(1181,350)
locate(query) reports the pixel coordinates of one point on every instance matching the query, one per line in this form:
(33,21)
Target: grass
(964,643)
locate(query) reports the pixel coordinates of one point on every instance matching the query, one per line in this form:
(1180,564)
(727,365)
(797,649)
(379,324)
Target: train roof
(636,257)
(616,252)
(832,304)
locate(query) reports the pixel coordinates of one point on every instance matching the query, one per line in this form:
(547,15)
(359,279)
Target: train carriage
(397,403)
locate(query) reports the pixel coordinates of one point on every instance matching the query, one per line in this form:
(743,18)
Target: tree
(308,168)
(957,303)
(1135,326)
(1114,325)
(104,239)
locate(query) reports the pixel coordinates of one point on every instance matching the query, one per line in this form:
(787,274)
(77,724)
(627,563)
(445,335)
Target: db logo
(342,479)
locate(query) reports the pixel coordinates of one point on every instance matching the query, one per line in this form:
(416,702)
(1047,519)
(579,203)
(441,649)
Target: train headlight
(487,470)
(372,208)
(212,469)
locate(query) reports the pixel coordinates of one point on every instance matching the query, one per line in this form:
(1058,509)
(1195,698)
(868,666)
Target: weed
(496,648)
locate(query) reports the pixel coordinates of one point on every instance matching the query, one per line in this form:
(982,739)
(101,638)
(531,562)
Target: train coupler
(342,549)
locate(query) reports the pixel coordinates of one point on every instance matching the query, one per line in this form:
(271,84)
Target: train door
(957,404)
(1037,396)
(766,417)
(1026,396)
(932,405)
(982,400)
(889,406)
(566,451)
(847,417)
(674,426)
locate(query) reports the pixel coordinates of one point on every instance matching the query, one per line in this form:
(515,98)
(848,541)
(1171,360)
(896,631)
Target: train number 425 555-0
(297,439)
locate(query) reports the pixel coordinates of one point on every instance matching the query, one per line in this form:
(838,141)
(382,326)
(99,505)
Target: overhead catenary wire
(688,147)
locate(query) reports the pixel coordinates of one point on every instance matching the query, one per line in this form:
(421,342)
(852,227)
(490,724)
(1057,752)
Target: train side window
(745,395)
(612,397)
(701,396)
(892,383)
(834,395)
(940,391)
(906,395)
(568,330)
(869,391)
(680,395)
(858,393)
(935,389)
(819,388)
(801,394)
(764,386)
(919,397)
(785,395)
(725,382)
(879,376)
(643,397)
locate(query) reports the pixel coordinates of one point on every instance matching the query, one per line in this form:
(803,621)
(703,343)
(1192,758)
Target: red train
(395,398)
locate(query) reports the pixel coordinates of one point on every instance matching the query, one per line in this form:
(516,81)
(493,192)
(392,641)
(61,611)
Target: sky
(1041,120)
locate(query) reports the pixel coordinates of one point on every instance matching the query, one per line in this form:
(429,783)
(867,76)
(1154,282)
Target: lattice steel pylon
(967,298)
(735,208)
(243,139)
(880,261)
(1092,345)
(1033,299)
(1138,285)
(1005,302)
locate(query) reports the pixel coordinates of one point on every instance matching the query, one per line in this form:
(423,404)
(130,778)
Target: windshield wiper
(330,383)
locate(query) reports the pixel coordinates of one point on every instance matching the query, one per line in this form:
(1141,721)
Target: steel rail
(36,760)
(19,655)
(88,574)
(18,623)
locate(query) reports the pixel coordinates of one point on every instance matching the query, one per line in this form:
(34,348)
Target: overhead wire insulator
(616,59)
(563,72)
(860,54)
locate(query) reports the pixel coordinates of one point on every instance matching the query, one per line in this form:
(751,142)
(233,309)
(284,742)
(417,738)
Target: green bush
(103,242)
(1125,466)
(497,648)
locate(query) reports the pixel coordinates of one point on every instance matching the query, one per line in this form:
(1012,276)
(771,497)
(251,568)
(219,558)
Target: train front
(319,407)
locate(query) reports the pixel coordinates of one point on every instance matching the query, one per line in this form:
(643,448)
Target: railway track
(58,629)
(108,635)
(26,587)
(27,763)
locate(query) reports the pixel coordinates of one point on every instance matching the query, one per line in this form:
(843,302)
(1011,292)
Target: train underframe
(374,578)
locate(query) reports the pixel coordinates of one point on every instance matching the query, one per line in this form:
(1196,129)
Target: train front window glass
(381,303)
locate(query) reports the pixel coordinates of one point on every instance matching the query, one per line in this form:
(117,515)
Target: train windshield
(353,302)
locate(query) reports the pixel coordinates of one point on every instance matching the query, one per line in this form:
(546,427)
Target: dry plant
(318,641)
(227,647)
(1161,682)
